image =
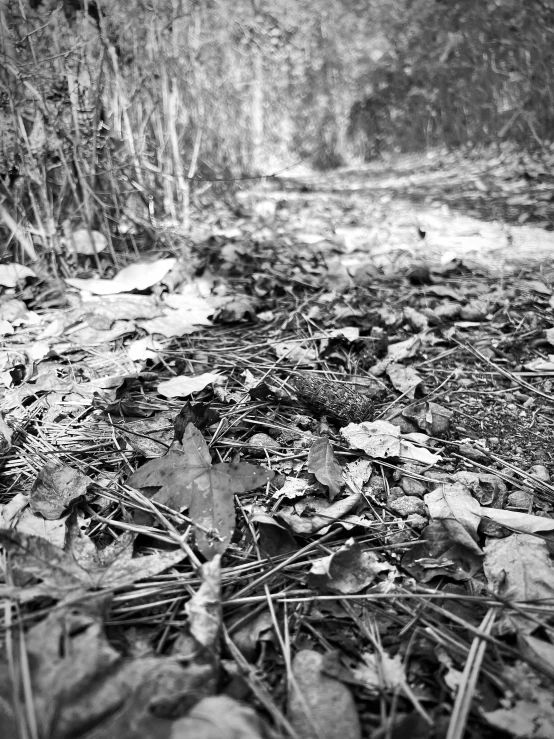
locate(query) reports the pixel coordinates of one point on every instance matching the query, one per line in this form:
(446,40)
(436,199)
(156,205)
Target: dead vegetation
(297,486)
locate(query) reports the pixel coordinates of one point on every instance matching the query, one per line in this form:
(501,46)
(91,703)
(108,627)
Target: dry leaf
(295,352)
(458,511)
(138,276)
(101,313)
(519,568)
(348,570)
(381,439)
(404,379)
(180,387)
(55,487)
(17,515)
(435,555)
(88,336)
(11,274)
(321,513)
(322,462)
(293,487)
(378,439)
(320,707)
(186,478)
(218,717)
(526,719)
(78,680)
(145,348)
(525,523)
(255,630)
(380,672)
(275,539)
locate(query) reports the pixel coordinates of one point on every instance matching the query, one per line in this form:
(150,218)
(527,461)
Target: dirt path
(497,211)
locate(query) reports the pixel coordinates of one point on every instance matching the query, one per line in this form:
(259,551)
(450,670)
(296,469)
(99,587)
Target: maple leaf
(322,462)
(186,478)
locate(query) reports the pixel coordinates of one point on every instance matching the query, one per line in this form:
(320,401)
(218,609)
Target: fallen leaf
(151,437)
(200,637)
(88,336)
(182,314)
(320,706)
(293,487)
(55,488)
(145,348)
(348,570)
(138,276)
(312,514)
(378,672)
(430,417)
(525,719)
(183,385)
(414,453)
(458,511)
(404,379)
(218,717)
(101,313)
(397,353)
(378,439)
(518,568)
(323,464)
(275,539)
(525,523)
(357,473)
(11,274)
(201,415)
(255,630)
(186,478)
(17,515)
(78,680)
(436,555)
(295,352)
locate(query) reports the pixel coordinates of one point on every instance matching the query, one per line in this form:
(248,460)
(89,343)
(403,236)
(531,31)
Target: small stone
(520,500)
(264,441)
(411,486)
(395,493)
(473,453)
(416,521)
(407,505)
(540,472)
(400,537)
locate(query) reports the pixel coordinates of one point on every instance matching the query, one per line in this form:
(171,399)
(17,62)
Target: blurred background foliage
(136,111)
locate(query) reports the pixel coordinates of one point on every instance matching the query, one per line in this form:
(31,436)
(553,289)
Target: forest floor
(298,482)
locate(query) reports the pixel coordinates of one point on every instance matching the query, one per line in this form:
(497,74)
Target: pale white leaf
(11,274)
(378,439)
(295,352)
(417,453)
(139,276)
(145,348)
(184,385)
(519,521)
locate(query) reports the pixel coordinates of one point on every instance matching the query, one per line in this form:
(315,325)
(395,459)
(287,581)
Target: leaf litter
(253,498)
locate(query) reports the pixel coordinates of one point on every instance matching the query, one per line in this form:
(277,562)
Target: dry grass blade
(466,689)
